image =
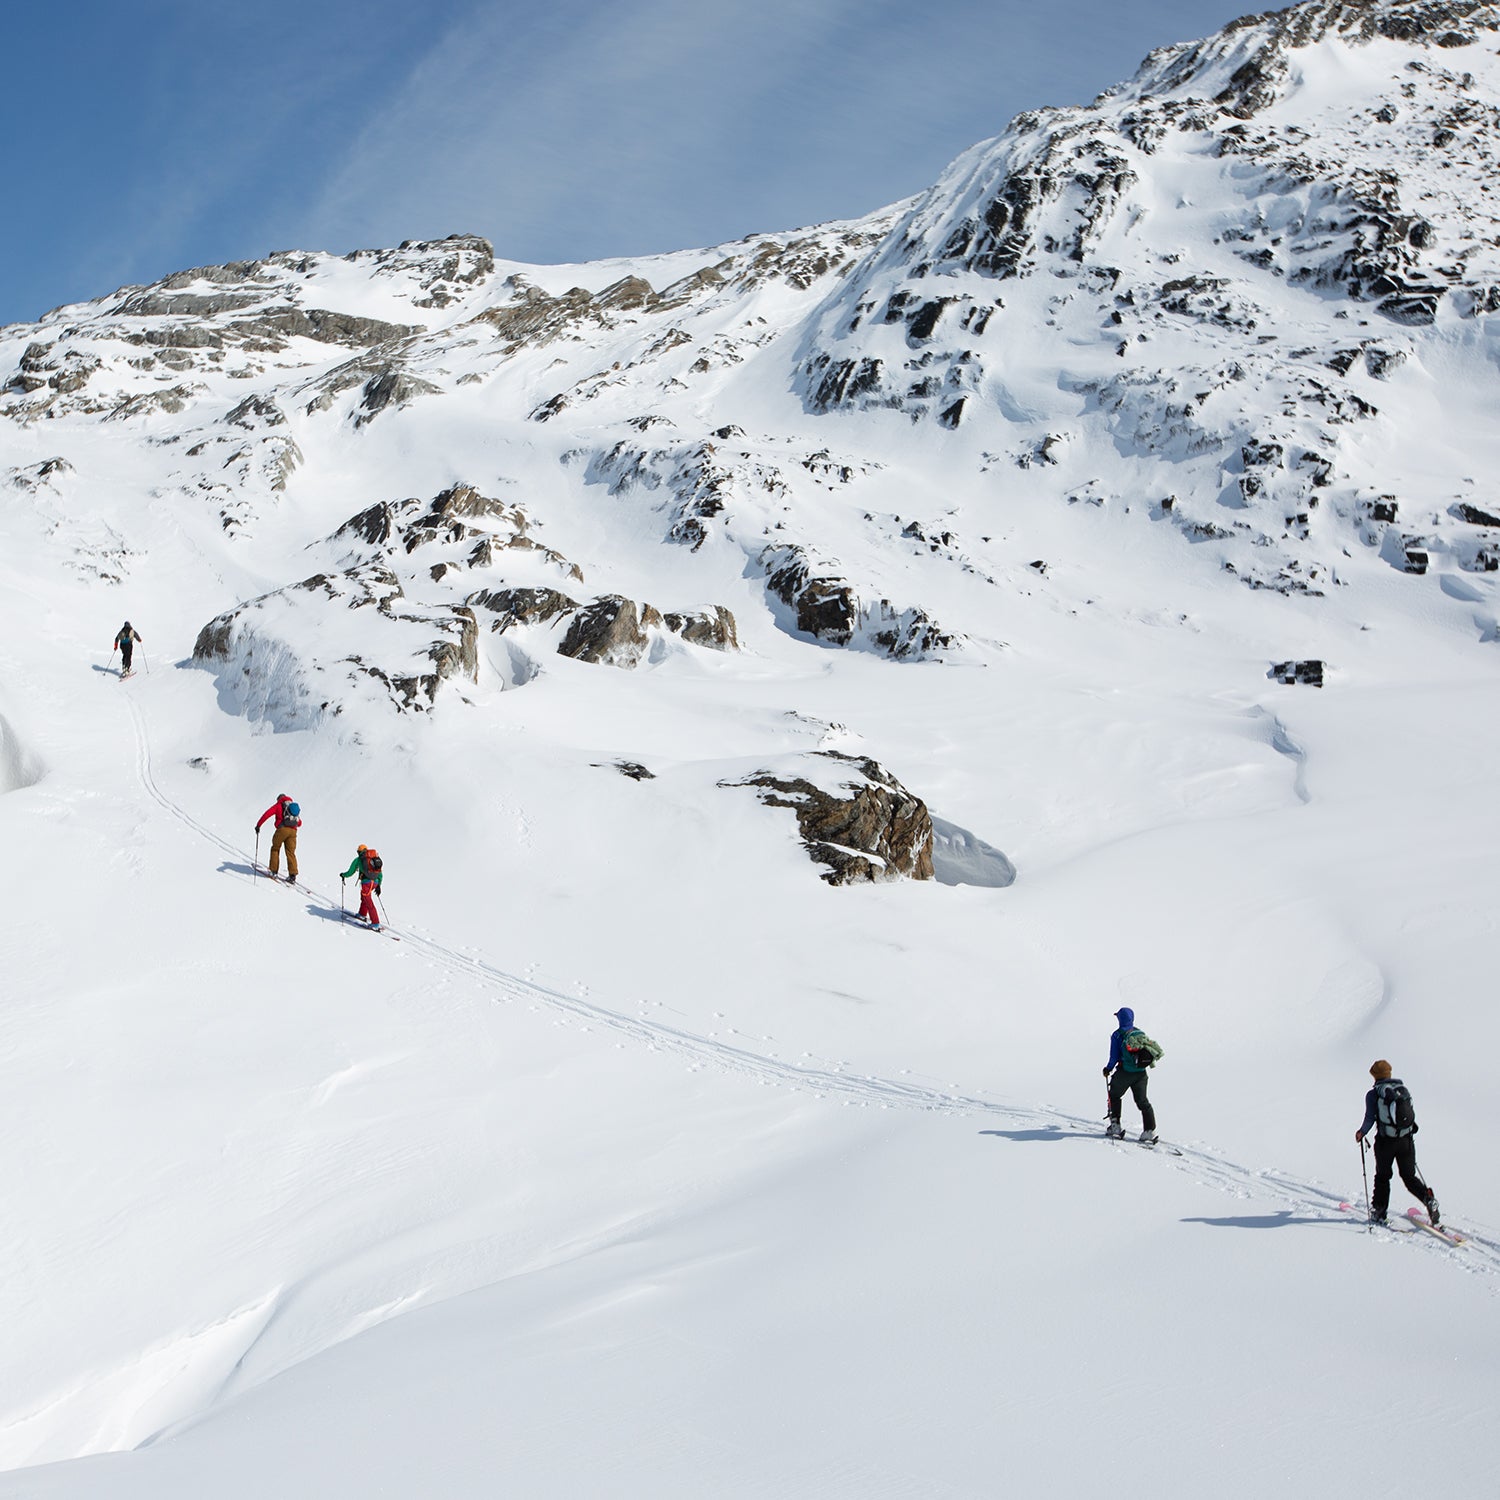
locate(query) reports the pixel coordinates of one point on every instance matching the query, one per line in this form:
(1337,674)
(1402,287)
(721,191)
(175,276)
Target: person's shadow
(1281,1219)
(1044,1133)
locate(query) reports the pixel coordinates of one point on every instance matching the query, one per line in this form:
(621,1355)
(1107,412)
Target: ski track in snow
(1479,1254)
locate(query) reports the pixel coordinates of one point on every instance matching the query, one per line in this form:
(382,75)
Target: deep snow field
(641,1164)
(647,1164)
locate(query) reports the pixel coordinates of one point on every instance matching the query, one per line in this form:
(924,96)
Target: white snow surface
(646,1164)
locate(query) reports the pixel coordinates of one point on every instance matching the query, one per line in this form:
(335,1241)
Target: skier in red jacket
(288,820)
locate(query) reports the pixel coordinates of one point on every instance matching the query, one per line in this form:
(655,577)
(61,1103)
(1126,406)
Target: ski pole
(1365,1172)
(255,873)
(343,905)
(147,660)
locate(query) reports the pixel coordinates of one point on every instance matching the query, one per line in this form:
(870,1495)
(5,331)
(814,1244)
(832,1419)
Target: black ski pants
(1393,1153)
(1119,1081)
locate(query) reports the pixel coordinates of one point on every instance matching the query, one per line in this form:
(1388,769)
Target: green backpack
(1144,1053)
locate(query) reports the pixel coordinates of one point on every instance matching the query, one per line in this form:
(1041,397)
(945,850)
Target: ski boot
(1115,1131)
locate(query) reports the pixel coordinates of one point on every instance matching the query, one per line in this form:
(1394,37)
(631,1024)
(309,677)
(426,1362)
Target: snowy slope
(647,1162)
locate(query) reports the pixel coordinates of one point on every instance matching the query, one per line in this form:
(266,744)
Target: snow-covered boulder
(852,815)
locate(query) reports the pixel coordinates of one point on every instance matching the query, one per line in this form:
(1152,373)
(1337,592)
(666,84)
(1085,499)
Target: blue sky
(144,136)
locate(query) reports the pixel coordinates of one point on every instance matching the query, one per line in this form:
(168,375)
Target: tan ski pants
(284,838)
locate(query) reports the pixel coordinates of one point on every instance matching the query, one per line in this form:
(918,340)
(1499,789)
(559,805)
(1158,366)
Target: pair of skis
(1418,1220)
(357,921)
(1156,1145)
(1421,1221)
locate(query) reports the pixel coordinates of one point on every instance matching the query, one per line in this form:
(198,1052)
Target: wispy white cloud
(593,115)
(604,127)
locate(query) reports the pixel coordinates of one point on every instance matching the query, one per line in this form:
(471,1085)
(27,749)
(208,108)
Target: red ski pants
(367,902)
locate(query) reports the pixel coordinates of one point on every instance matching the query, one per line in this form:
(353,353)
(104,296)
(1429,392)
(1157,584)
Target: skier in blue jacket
(1126,1069)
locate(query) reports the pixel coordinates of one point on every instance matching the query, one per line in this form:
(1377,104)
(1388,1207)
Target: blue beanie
(1126,1017)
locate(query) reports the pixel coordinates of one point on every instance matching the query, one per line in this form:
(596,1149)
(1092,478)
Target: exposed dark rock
(828,608)
(871,829)
(924,321)
(157,303)
(826,605)
(451,657)
(1309,673)
(715,631)
(1474,516)
(322,326)
(390,388)
(608,631)
(1256,453)
(256,411)
(844,381)
(634,770)
(1380,362)
(376,525)
(522,606)
(1413,308)
(549,408)
(172,400)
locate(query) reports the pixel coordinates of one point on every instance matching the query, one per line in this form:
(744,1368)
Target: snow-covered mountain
(1090,563)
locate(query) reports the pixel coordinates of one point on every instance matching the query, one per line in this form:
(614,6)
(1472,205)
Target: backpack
(1393,1108)
(291,816)
(1144,1053)
(370,866)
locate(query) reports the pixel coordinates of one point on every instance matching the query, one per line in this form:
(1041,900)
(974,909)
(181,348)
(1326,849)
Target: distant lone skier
(125,644)
(1388,1106)
(368,863)
(1131,1052)
(288,819)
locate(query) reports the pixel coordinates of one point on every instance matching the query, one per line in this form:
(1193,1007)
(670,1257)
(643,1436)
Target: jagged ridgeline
(1225,297)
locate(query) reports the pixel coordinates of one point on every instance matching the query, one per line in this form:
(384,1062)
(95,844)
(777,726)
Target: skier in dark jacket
(1388,1106)
(1126,1069)
(125,642)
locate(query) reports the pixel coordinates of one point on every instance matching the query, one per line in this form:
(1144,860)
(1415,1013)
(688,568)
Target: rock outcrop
(853,816)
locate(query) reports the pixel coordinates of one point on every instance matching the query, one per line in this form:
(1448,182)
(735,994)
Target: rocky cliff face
(1222,304)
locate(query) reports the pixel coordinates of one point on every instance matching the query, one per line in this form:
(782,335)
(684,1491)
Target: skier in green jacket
(368,863)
